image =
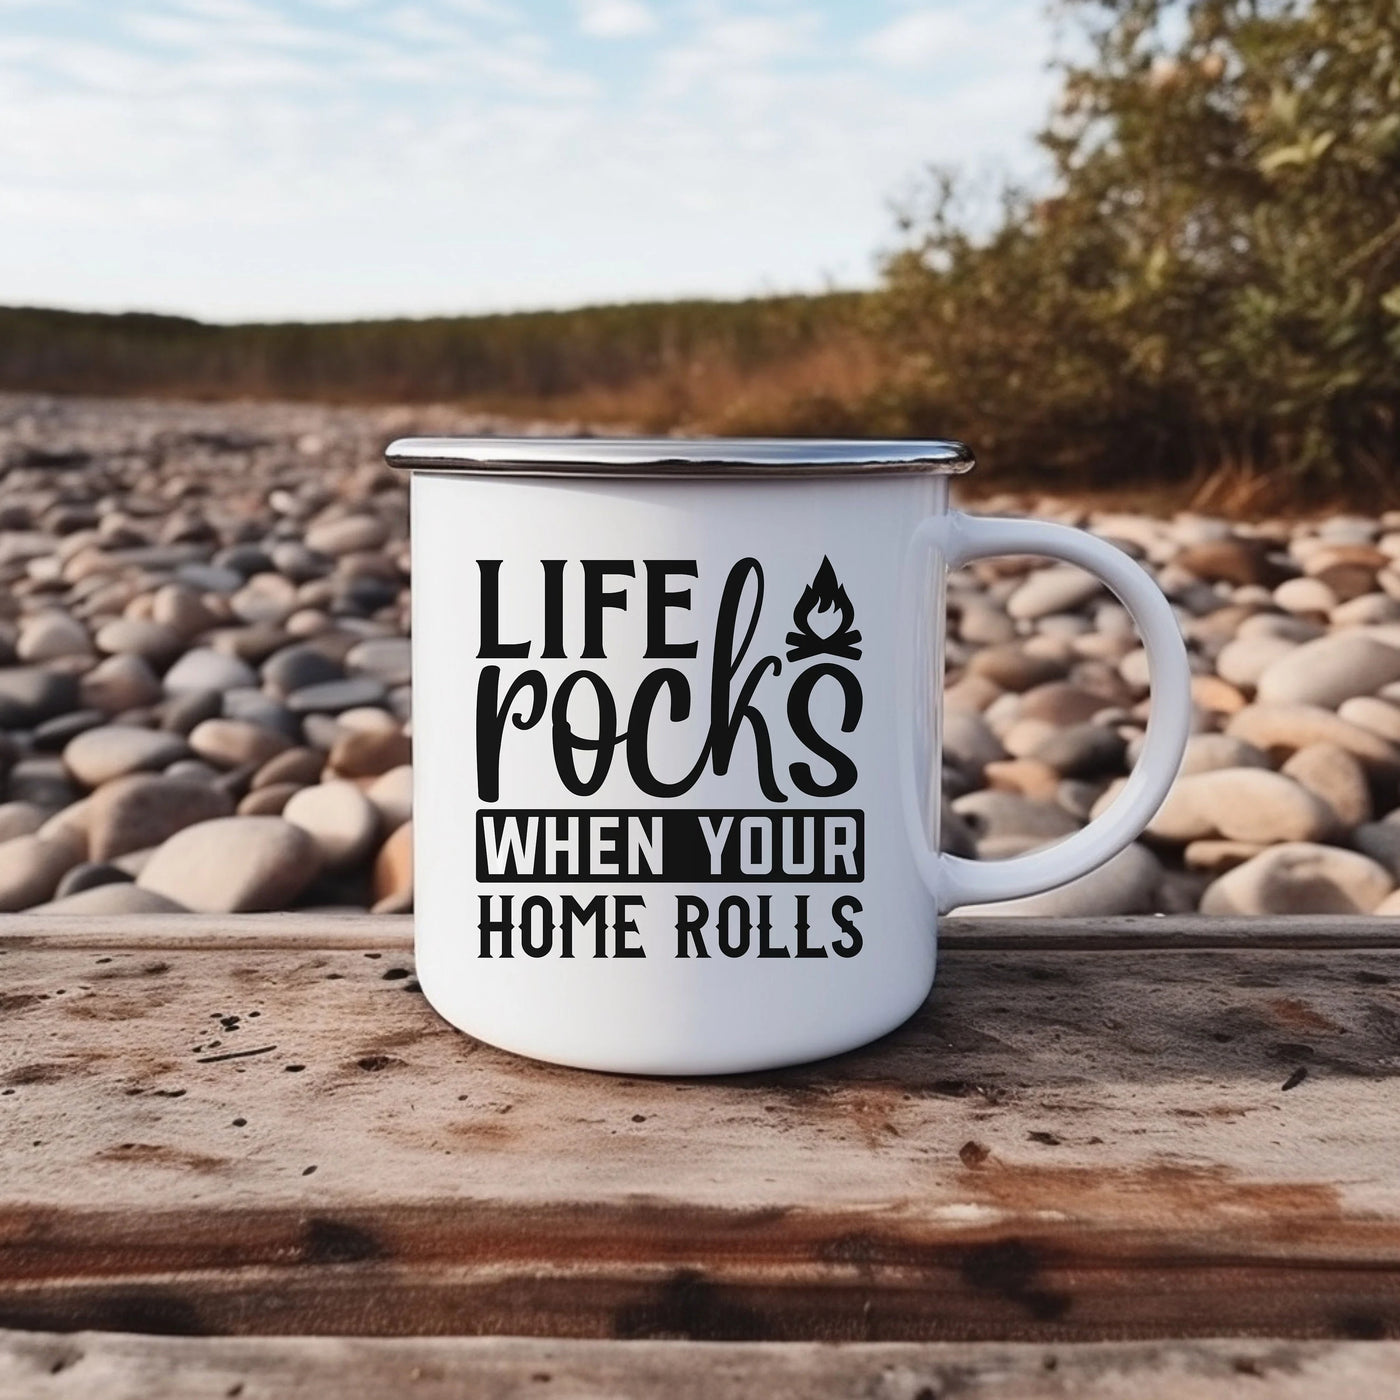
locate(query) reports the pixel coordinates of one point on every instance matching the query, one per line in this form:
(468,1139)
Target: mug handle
(953,880)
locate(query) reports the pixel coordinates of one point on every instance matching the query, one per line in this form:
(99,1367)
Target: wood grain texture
(37,1366)
(395,931)
(207,1134)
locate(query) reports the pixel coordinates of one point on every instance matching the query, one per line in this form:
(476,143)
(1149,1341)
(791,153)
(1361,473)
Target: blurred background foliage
(1205,295)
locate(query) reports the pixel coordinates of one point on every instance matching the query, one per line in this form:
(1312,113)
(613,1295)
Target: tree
(1212,280)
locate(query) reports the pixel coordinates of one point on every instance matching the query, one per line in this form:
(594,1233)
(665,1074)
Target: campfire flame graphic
(823,595)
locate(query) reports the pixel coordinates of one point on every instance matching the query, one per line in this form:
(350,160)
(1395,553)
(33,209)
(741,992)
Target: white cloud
(615,19)
(921,37)
(260,159)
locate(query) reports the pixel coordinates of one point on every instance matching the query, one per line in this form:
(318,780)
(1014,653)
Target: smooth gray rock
(140,811)
(1300,878)
(30,695)
(1126,884)
(386,658)
(124,682)
(207,669)
(992,814)
(1082,751)
(50,635)
(1207,752)
(89,875)
(1241,804)
(234,865)
(230,743)
(392,796)
(342,821)
(331,697)
(114,750)
(1282,729)
(296,667)
(1058,588)
(21,819)
(1330,773)
(112,900)
(32,866)
(1329,671)
(155,641)
(969,741)
(348,535)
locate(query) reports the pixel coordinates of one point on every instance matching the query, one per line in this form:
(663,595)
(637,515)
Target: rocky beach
(205,692)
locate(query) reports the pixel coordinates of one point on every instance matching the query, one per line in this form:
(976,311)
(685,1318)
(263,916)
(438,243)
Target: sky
(326,159)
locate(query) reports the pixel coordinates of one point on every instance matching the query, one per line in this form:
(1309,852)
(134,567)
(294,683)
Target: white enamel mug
(677,741)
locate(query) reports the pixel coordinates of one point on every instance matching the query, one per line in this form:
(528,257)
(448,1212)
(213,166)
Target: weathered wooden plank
(225,932)
(1060,1145)
(37,1366)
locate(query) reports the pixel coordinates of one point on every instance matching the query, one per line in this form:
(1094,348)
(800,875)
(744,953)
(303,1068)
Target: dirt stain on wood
(159,1154)
(1291,1011)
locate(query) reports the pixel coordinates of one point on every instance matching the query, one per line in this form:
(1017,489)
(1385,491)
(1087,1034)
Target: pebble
(31,867)
(43,781)
(1081,751)
(261,630)
(387,658)
(90,875)
(368,753)
(1052,590)
(368,718)
(1124,884)
(1329,670)
(234,865)
(180,713)
(20,819)
(1330,773)
(1023,738)
(1241,804)
(349,535)
(298,765)
(112,900)
(1283,729)
(269,800)
(1216,695)
(113,750)
(207,669)
(1380,841)
(1227,561)
(255,707)
(119,683)
(155,641)
(992,814)
(1381,717)
(296,667)
(968,740)
(1305,596)
(1205,752)
(53,735)
(330,697)
(231,743)
(29,695)
(392,796)
(50,635)
(181,608)
(1300,878)
(1027,776)
(979,624)
(140,811)
(393,873)
(1011,667)
(1217,856)
(340,819)
(1061,703)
